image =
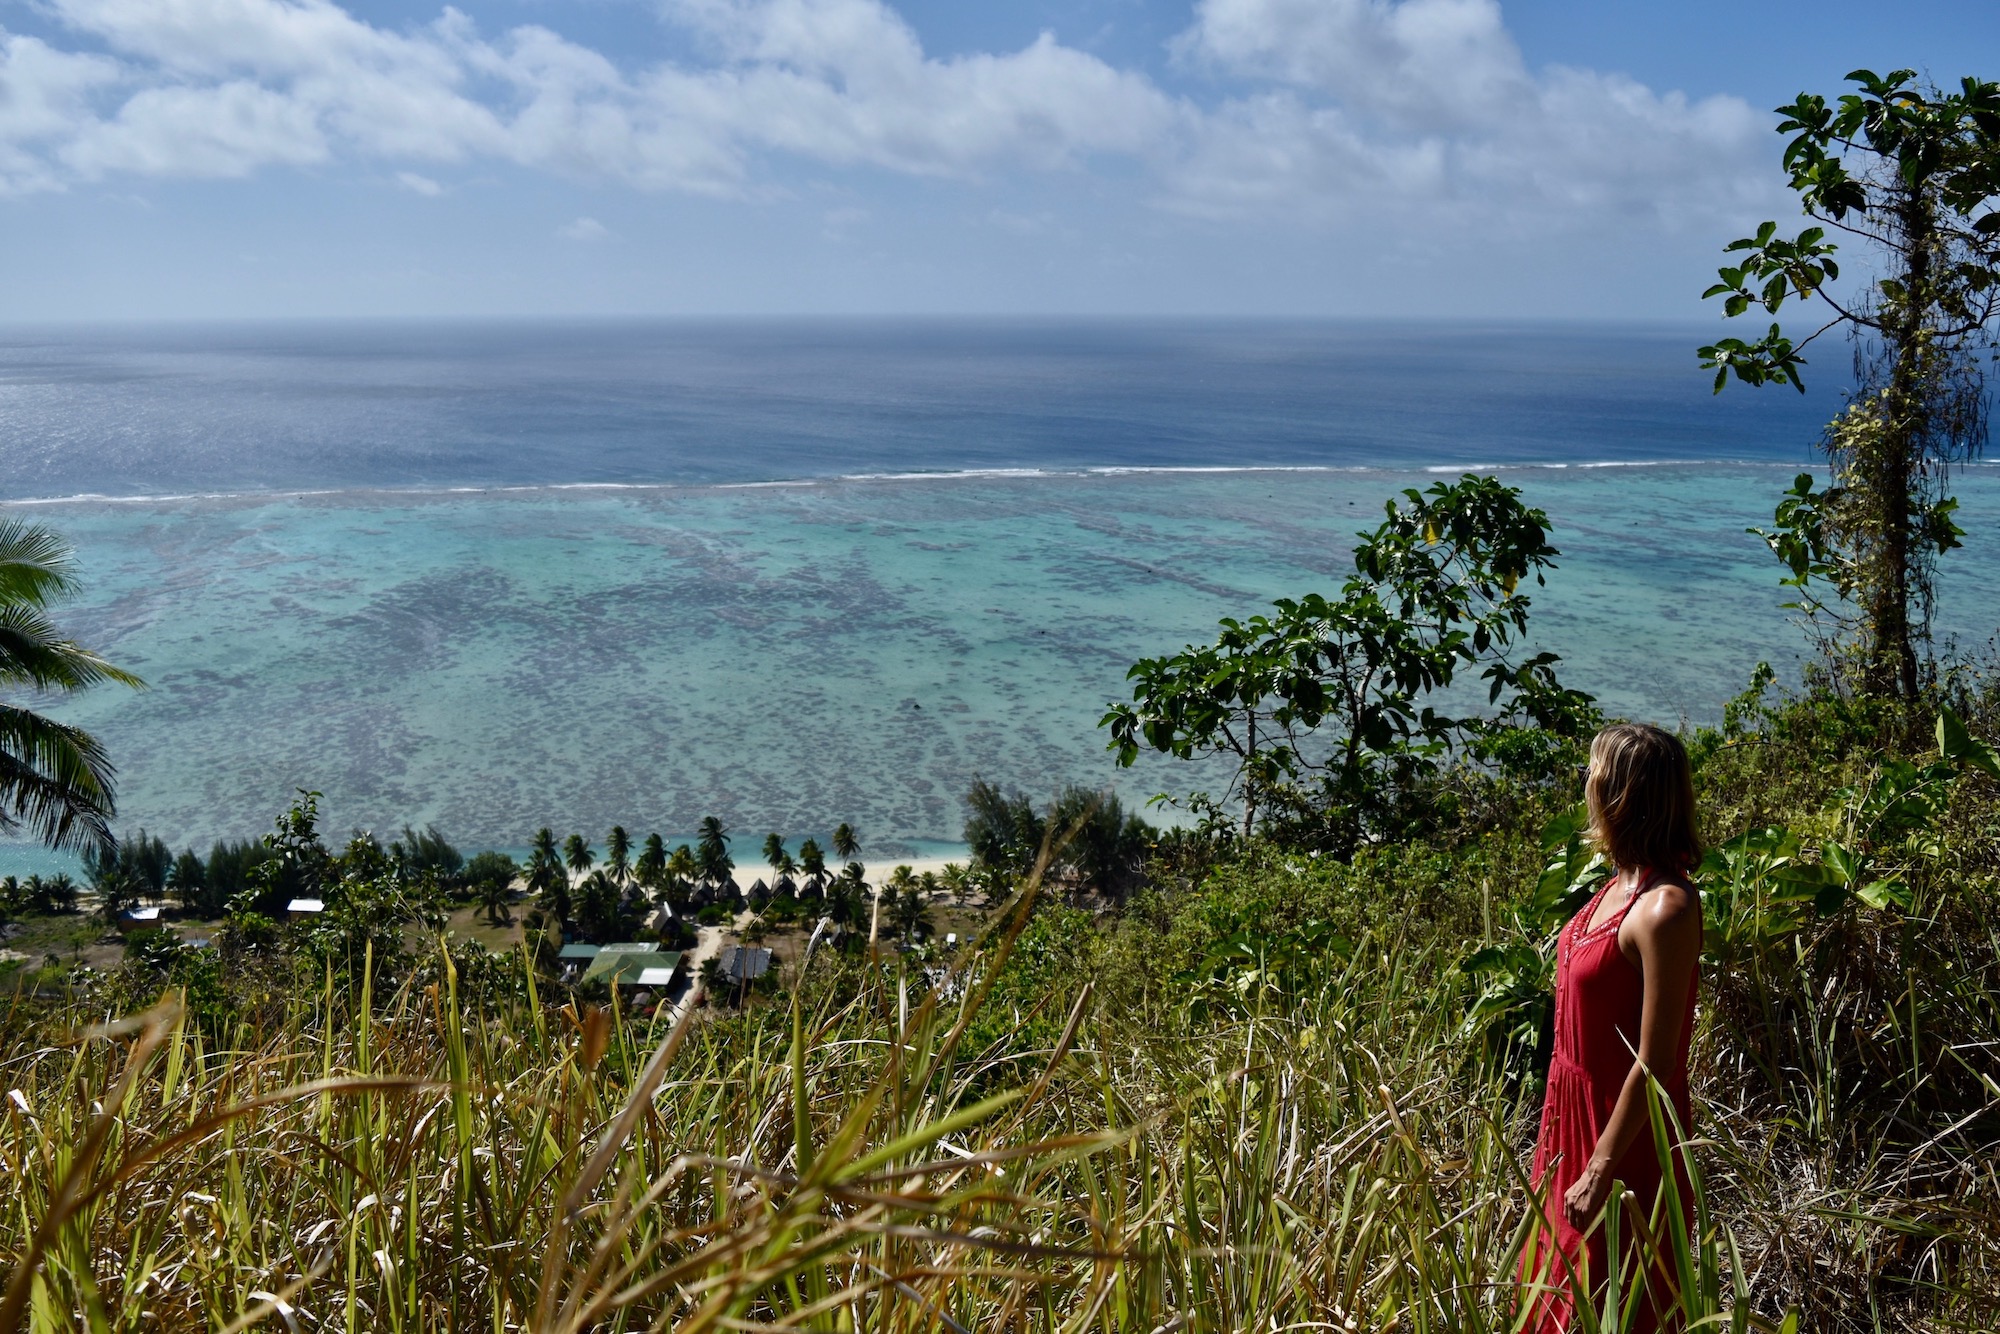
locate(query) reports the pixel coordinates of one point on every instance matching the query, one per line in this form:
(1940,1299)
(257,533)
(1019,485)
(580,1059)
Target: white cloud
(420,185)
(45,95)
(1395,110)
(1425,106)
(583,229)
(1433,65)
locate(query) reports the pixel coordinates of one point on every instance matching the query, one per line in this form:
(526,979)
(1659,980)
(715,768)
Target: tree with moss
(1910,173)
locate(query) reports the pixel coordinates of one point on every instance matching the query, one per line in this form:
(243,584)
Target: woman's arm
(1664,929)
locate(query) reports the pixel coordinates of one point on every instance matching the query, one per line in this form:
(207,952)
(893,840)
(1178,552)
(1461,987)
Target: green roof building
(617,965)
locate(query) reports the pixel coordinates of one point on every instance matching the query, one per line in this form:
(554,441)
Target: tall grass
(1325,1148)
(431,1163)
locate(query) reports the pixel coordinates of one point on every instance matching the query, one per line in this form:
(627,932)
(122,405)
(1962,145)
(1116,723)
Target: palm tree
(845,845)
(577,854)
(117,889)
(544,846)
(911,910)
(652,865)
(54,779)
(546,878)
(713,849)
(681,869)
(189,881)
(495,894)
(600,907)
(845,894)
(901,881)
(618,853)
(775,855)
(812,864)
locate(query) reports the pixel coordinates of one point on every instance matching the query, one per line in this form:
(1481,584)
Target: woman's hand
(1583,1199)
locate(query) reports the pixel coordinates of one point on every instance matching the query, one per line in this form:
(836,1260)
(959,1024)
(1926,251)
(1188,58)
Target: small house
(138,919)
(743,963)
(299,910)
(623,964)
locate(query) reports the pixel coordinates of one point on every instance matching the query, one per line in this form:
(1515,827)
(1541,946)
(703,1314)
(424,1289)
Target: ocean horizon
(496,576)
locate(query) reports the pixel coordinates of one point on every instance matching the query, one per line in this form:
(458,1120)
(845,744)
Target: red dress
(1599,997)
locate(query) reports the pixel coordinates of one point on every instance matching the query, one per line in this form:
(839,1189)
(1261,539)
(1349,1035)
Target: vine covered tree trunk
(1912,172)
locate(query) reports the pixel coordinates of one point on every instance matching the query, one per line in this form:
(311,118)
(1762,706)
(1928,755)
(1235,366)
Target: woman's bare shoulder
(1670,907)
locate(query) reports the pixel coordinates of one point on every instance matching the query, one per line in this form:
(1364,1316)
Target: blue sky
(1454,158)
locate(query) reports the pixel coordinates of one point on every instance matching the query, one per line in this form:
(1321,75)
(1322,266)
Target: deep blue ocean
(283,408)
(505,575)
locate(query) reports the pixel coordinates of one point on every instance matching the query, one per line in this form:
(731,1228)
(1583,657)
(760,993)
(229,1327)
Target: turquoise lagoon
(789,656)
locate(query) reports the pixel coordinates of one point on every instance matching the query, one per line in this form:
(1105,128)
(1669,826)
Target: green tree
(55,780)
(1094,845)
(118,888)
(427,851)
(189,881)
(229,867)
(812,865)
(57,893)
(618,854)
(682,871)
(775,855)
(717,869)
(652,865)
(847,895)
(1321,705)
(146,859)
(577,854)
(845,845)
(600,908)
(547,880)
(296,865)
(1911,172)
(491,877)
(911,912)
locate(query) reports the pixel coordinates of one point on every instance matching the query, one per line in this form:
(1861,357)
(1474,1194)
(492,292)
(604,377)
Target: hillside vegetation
(1272,1090)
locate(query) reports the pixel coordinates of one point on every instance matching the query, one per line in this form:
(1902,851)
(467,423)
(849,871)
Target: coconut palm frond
(36,564)
(34,654)
(55,780)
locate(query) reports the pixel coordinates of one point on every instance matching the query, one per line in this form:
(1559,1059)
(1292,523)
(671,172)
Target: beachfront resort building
(633,963)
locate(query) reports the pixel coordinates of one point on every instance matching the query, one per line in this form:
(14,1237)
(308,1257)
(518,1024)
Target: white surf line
(964,474)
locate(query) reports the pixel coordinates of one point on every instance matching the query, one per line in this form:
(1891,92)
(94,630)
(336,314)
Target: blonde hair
(1641,798)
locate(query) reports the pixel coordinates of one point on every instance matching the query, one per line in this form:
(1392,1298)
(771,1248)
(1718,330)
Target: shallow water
(790,657)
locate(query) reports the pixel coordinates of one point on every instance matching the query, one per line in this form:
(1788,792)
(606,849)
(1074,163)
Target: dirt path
(707,945)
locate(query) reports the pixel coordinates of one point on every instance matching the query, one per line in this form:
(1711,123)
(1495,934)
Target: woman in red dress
(1625,988)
